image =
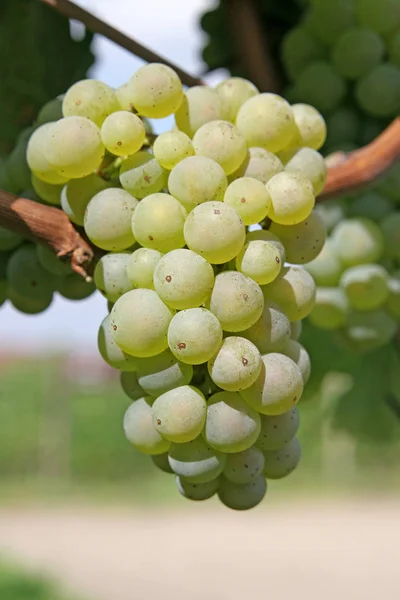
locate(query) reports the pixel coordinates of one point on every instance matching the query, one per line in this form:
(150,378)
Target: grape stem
(49,226)
(96,25)
(356,169)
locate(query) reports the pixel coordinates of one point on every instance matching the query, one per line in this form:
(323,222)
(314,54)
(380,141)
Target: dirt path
(294,552)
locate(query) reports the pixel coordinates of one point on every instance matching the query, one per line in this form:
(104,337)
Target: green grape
(18,170)
(9,240)
(140,429)
(179,415)
(123,133)
(331,308)
(343,125)
(303,242)
(51,262)
(26,275)
(234,92)
(130,384)
(74,287)
(141,175)
(320,86)
(366,286)
(298,50)
(389,185)
(295,330)
(141,265)
(195,461)
(161,462)
(357,241)
(51,111)
(294,291)
(378,93)
(223,142)
(108,219)
(74,147)
(331,213)
(91,99)
(155,91)
(242,496)
(231,425)
(194,335)
(260,260)
(311,127)
(77,193)
(390,227)
(356,52)
(267,121)
(393,302)
(278,387)
(244,467)
(214,230)
(327,20)
(197,179)
(200,105)
(278,430)
(326,268)
(382,16)
(197,491)
(48,192)
(28,305)
(171,147)
(236,365)
(267,236)
(310,163)
(249,198)
(236,300)
(280,463)
(110,275)
(161,373)
(259,164)
(371,205)
(113,355)
(292,198)
(158,222)
(394,49)
(271,331)
(140,322)
(300,356)
(36,157)
(183,279)
(369,330)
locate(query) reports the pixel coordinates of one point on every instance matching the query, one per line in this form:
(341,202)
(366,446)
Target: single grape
(267,121)
(158,222)
(9,240)
(244,467)
(141,265)
(179,415)
(310,163)
(356,52)
(183,279)
(91,99)
(200,105)
(194,335)
(26,275)
(242,496)
(110,275)
(249,198)
(294,291)
(390,227)
(331,308)
(292,198)
(327,20)
(300,356)
(271,331)
(171,147)
(223,142)
(278,430)
(161,462)
(382,16)
(141,175)
(197,491)
(28,305)
(140,321)
(260,260)
(123,133)
(130,385)
(280,463)
(378,93)
(140,430)
(161,373)
(303,242)
(366,286)
(77,193)
(231,425)
(357,241)
(311,126)
(320,86)
(74,287)
(326,268)
(49,192)
(108,219)
(36,157)
(197,179)
(234,92)
(51,262)
(111,353)
(267,236)
(299,49)
(195,461)
(236,365)
(215,231)
(259,164)
(236,300)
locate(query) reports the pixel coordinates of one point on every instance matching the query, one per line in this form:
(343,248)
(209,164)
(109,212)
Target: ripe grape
(236,365)
(294,291)
(311,126)
(259,164)
(280,463)
(197,491)
(326,268)
(223,142)
(111,353)
(303,242)
(140,430)
(244,467)
(366,286)
(77,193)
(194,335)
(197,179)
(271,331)
(179,414)
(357,241)
(141,265)
(249,198)
(200,105)
(260,260)
(91,99)
(267,236)
(123,133)
(195,461)
(49,192)
(171,147)
(242,496)
(161,373)
(331,308)
(310,163)
(141,175)
(292,198)
(130,385)
(36,157)
(300,356)
(278,430)
(110,275)
(234,92)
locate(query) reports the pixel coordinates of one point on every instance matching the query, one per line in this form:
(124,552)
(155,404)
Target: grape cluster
(204,233)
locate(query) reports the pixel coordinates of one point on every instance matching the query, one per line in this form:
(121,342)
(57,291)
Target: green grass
(17,584)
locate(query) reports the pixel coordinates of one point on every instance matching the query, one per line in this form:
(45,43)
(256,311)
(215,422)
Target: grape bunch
(204,233)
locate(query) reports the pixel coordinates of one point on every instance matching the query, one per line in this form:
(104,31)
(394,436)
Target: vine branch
(96,25)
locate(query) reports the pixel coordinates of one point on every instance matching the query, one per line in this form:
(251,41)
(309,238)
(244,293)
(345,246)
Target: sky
(170,28)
